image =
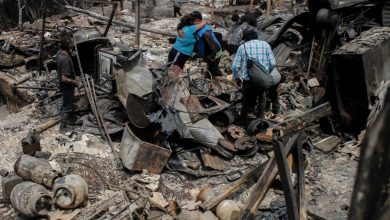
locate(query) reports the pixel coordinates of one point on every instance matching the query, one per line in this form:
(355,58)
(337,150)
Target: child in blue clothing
(185,41)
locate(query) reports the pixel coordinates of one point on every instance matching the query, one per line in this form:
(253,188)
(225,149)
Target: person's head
(66,43)
(249,34)
(250,18)
(186,20)
(235,18)
(196,17)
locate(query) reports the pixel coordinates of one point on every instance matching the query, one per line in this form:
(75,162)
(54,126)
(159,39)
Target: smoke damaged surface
(116,193)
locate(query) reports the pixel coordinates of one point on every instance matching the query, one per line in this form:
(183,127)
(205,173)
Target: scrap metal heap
(171,130)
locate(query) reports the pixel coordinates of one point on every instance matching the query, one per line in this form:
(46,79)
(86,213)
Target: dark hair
(66,42)
(186,20)
(250,18)
(196,15)
(179,26)
(249,34)
(235,18)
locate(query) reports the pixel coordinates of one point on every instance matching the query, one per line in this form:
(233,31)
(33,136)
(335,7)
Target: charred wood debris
(165,143)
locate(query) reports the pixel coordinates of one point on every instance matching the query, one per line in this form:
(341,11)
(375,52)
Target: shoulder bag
(257,75)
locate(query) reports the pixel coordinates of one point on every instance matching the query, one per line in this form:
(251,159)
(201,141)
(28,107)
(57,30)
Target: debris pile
(160,142)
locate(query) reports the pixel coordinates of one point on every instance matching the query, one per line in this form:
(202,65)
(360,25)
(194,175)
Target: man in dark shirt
(176,7)
(67,82)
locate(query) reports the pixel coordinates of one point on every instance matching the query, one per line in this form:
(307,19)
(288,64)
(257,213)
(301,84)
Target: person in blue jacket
(208,47)
(185,41)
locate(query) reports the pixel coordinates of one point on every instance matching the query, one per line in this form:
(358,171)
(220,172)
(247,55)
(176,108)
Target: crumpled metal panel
(132,77)
(335,4)
(174,87)
(213,161)
(386,13)
(138,81)
(138,155)
(216,87)
(199,110)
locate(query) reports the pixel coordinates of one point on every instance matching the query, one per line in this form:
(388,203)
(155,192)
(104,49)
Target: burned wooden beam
(234,187)
(299,157)
(137,23)
(261,188)
(114,6)
(304,120)
(42,44)
(285,176)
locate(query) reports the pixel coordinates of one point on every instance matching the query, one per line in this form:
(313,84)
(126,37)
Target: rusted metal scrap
(213,161)
(137,154)
(202,106)
(31,143)
(172,87)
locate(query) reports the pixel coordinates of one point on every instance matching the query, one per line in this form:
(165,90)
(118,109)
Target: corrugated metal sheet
(386,14)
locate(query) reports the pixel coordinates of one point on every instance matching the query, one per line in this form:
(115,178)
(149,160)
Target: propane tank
(70,191)
(7,185)
(35,170)
(228,210)
(31,199)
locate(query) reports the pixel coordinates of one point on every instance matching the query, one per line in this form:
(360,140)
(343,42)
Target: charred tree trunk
(21,7)
(371,196)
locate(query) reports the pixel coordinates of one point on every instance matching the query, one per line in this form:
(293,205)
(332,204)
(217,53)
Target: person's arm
(237,63)
(202,24)
(68,80)
(271,58)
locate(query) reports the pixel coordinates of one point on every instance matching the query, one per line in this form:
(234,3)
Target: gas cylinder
(31,199)
(70,191)
(35,170)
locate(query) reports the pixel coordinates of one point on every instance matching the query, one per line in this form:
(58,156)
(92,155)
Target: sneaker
(75,121)
(64,129)
(276,116)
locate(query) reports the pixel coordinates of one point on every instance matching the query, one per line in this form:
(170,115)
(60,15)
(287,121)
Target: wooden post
(21,7)
(285,176)
(212,9)
(41,50)
(121,4)
(251,6)
(137,23)
(114,6)
(269,6)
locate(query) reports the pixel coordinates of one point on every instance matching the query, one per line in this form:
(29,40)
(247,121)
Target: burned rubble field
(158,142)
